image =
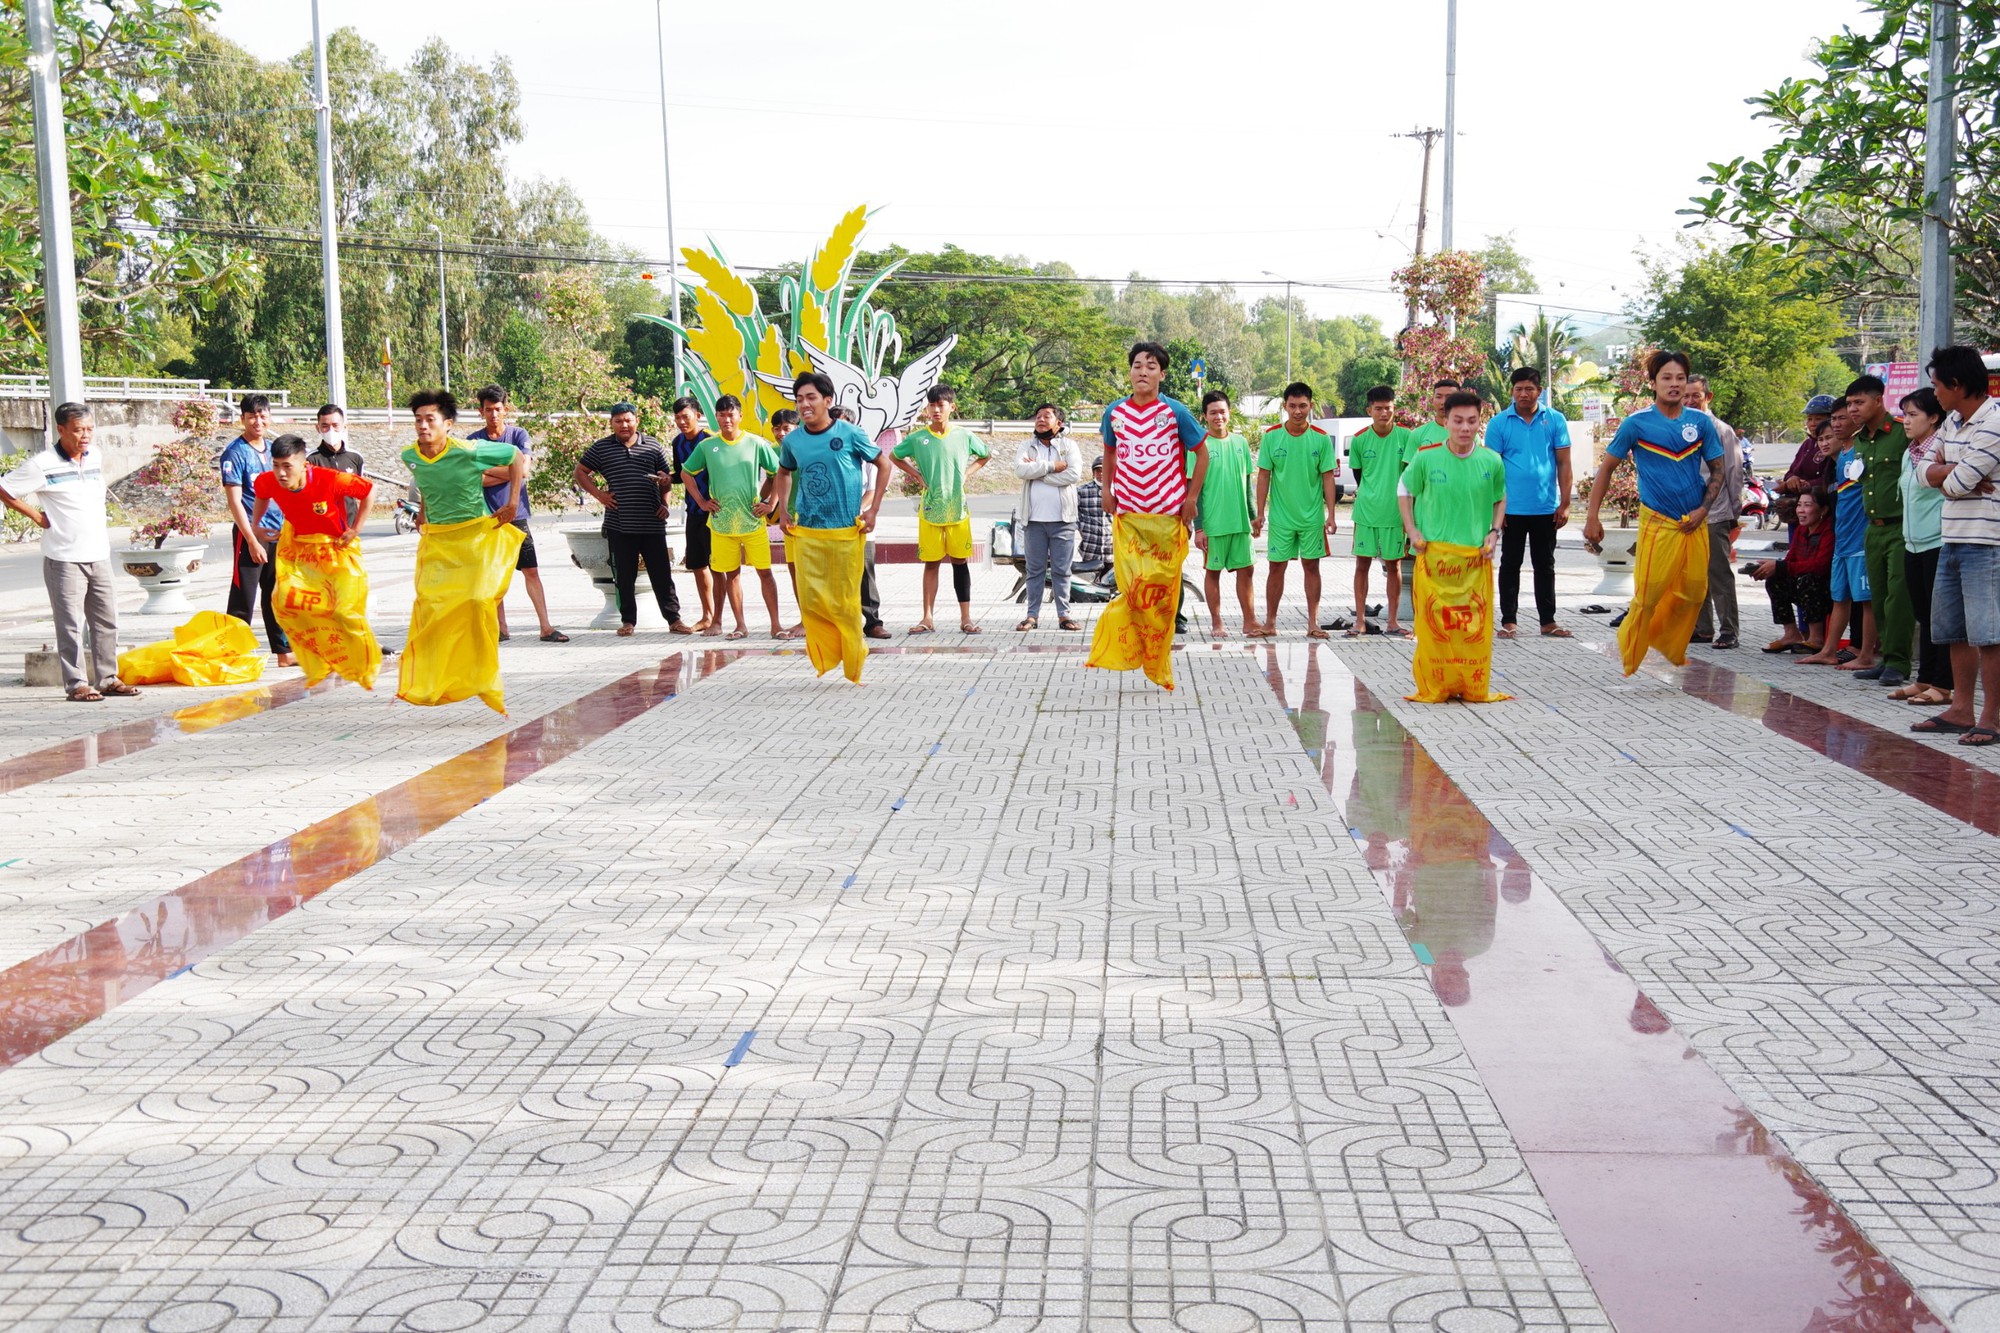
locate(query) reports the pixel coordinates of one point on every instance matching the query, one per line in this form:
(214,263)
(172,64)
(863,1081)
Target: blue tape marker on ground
(1741,832)
(5,864)
(178,971)
(971,690)
(1423,954)
(848,883)
(1629,757)
(898,805)
(936,746)
(742,1045)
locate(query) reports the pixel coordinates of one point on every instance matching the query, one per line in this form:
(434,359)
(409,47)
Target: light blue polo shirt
(1528,447)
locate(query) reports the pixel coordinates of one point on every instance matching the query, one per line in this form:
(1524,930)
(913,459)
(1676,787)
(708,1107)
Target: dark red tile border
(53,994)
(1685,1212)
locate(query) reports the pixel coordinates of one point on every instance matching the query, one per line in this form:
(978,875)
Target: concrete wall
(127,431)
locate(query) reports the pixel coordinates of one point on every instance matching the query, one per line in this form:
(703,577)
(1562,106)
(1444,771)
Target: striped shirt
(1972,447)
(630,475)
(1151,444)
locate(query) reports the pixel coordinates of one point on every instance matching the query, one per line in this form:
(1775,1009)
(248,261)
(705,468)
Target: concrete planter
(1617,561)
(591,553)
(163,572)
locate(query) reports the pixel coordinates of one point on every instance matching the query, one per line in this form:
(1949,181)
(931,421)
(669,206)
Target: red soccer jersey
(316,508)
(1152,444)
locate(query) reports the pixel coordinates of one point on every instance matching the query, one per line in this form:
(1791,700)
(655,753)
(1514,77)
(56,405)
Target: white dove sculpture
(877,405)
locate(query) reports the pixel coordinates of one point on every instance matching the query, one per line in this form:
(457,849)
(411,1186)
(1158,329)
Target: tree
(1843,185)
(1445,287)
(1019,344)
(1744,317)
(1180,381)
(1367,371)
(130,164)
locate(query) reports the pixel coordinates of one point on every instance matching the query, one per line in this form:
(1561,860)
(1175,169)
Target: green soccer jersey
(1455,496)
(1378,461)
(1225,491)
(1428,433)
(1296,463)
(942,461)
(454,483)
(732,474)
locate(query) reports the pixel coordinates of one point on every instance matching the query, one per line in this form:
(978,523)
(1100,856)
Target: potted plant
(1620,552)
(175,497)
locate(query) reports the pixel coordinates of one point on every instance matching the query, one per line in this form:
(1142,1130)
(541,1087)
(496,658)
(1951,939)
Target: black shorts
(526,560)
(696,555)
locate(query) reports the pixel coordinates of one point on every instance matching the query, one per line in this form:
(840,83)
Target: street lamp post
(61,325)
(1934,290)
(444,327)
(667,171)
(329,241)
(1288,320)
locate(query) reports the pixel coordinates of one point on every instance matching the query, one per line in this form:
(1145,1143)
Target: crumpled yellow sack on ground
(1669,584)
(212,649)
(321,600)
(1136,628)
(829,562)
(1454,612)
(453,651)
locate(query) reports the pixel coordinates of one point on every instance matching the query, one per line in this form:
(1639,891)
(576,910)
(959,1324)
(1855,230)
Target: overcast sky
(1211,141)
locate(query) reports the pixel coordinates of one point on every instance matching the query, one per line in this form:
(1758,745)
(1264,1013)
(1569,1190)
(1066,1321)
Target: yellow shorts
(728,552)
(948,541)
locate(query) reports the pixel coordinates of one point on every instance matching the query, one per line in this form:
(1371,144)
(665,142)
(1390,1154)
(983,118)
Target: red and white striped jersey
(1152,444)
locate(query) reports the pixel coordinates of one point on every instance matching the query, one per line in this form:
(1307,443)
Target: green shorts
(1379,543)
(1297,544)
(1229,551)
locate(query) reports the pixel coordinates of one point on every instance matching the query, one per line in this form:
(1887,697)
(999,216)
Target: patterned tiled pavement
(996,994)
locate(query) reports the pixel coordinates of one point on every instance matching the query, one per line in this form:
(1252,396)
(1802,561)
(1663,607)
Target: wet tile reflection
(1683,1208)
(53,994)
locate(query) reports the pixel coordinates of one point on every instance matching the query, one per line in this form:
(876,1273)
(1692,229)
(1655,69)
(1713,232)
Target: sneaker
(1869,673)
(1892,678)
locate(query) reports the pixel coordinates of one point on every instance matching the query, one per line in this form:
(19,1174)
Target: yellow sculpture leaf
(717,342)
(839,248)
(810,325)
(734,292)
(771,360)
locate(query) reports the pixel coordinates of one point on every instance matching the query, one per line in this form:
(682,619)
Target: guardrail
(137,388)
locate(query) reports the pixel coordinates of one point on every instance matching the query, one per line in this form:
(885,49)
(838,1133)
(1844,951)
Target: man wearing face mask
(1050,468)
(333,453)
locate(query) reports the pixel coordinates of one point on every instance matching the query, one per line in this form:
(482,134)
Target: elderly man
(76,552)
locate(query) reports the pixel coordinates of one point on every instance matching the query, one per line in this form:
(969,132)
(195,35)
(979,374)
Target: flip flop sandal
(970,629)
(1979,738)
(555,636)
(119,689)
(1594,609)
(1398,633)
(1350,634)
(1802,649)
(1556,632)
(1937,726)
(1504,633)
(923,629)
(1931,700)
(1068,624)
(737,634)
(1845,655)
(84,694)
(1026,625)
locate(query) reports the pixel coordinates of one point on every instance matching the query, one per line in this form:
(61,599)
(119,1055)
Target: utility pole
(60,321)
(1940,171)
(667,171)
(329,238)
(444,326)
(1428,138)
(1450,116)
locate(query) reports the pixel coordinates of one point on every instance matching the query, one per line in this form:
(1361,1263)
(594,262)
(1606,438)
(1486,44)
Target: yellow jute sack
(211,649)
(829,563)
(1136,628)
(1454,606)
(321,600)
(1669,582)
(453,651)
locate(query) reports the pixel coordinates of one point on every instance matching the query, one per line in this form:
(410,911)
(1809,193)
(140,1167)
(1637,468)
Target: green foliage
(416,147)
(1367,371)
(1843,185)
(1743,317)
(1019,345)
(130,163)
(559,445)
(518,357)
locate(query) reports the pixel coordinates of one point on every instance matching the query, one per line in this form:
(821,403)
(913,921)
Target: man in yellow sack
(821,468)
(1670,445)
(1152,497)
(465,560)
(1453,498)
(321,593)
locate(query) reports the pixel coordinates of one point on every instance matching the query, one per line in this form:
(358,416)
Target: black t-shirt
(344,460)
(628,474)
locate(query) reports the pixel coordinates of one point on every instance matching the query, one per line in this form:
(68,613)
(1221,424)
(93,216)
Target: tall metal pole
(60,321)
(1288,330)
(329,237)
(444,327)
(1428,138)
(1450,116)
(667,171)
(1940,169)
